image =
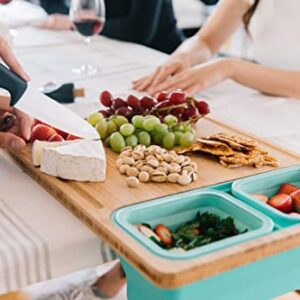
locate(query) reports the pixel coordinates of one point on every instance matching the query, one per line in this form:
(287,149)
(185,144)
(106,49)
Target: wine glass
(88,17)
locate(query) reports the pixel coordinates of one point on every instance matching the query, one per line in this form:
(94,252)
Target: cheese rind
(82,160)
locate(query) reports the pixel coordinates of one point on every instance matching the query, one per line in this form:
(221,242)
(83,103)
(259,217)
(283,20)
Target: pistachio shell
(184,179)
(123,169)
(173,177)
(132,172)
(153,163)
(132,182)
(144,176)
(128,160)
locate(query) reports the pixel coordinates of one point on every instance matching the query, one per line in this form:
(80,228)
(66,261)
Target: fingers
(164,73)
(146,83)
(25,124)
(9,58)
(10,141)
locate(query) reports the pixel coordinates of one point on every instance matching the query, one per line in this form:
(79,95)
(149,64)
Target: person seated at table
(15,130)
(273,29)
(147,22)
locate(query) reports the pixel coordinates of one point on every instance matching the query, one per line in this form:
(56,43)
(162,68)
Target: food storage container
(268,184)
(176,210)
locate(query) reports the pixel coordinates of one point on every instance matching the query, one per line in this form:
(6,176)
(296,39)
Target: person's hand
(9,58)
(15,129)
(196,78)
(173,66)
(56,22)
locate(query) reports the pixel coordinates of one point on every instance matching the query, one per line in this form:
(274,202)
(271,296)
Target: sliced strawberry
(56,138)
(282,202)
(260,197)
(62,133)
(42,132)
(164,233)
(287,189)
(296,200)
(71,137)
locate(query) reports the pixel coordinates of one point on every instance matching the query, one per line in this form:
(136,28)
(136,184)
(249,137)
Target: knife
(41,107)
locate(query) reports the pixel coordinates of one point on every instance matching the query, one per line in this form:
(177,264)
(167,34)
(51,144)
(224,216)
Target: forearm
(267,80)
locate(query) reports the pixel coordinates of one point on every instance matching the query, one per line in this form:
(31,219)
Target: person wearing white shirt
(273,29)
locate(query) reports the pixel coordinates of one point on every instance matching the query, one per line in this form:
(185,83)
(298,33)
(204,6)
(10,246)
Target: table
(58,58)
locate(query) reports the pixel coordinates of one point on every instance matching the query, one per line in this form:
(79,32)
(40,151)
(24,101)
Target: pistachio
(132,171)
(123,169)
(184,179)
(194,165)
(125,153)
(175,168)
(162,169)
(150,157)
(179,159)
(139,164)
(119,162)
(173,177)
(144,176)
(193,176)
(138,155)
(189,169)
(128,160)
(184,172)
(168,158)
(157,176)
(147,169)
(153,163)
(132,182)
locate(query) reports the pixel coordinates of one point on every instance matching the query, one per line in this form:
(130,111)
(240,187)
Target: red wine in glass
(88,27)
(5,1)
(88,17)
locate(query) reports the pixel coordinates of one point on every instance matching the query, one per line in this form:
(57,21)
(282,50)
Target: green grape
(144,138)
(149,117)
(120,120)
(177,128)
(127,129)
(187,139)
(157,137)
(107,142)
(170,120)
(101,127)
(150,123)
(169,141)
(117,142)
(187,128)
(162,128)
(178,136)
(111,127)
(132,141)
(94,118)
(137,121)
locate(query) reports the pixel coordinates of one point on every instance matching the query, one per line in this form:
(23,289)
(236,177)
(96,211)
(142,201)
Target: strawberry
(71,137)
(282,202)
(260,197)
(63,134)
(296,200)
(164,233)
(287,189)
(56,138)
(42,132)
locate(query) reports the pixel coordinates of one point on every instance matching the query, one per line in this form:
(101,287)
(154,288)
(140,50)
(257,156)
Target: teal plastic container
(268,184)
(178,209)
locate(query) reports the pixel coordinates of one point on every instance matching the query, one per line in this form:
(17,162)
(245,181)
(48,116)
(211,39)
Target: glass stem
(87,41)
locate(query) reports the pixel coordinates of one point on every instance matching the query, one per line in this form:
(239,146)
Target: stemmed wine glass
(88,17)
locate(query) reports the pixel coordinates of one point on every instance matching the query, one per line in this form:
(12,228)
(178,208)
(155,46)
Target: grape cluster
(118,132)
(177,103)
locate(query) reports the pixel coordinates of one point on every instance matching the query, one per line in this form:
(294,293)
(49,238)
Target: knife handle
(11,82)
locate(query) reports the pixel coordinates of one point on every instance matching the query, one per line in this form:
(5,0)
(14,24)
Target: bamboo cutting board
(93,203)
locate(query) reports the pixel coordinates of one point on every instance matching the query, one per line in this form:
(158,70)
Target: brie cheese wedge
(39,146)
(81,160)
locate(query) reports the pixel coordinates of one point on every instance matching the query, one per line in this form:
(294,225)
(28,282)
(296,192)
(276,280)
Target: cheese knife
(41,107)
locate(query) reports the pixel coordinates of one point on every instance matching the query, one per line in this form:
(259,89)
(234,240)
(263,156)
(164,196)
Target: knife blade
(39,106)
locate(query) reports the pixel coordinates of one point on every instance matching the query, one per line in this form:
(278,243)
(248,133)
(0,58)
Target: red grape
(162,96)
(111,112)
(202,107)
(177,98)
(162,105)
(133,102)
(177,112)
(191,112)
(106,98)
(124,111)
(147,102)
(104,113)
(118,103)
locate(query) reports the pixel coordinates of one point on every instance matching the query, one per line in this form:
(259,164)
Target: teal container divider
(176,210)
(268,183)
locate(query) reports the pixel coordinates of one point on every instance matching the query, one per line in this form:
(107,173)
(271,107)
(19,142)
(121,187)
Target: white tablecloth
(61,242)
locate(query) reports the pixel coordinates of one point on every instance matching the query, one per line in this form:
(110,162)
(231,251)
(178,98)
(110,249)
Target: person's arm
(201,47)
(15,126)
(264,79)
